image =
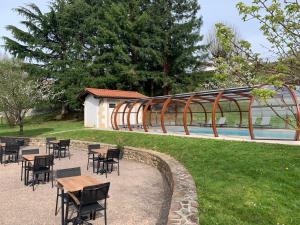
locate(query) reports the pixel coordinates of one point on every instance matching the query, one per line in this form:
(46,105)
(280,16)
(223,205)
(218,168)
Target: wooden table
(30,157)
(73,184)
(100,151)
(27,159)
(54,142)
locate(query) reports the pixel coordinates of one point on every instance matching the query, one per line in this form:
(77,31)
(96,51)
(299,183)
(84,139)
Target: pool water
(259,133)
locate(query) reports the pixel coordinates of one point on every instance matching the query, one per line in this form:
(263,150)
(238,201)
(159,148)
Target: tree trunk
(64,110)
(11,120)
(21,132)
(21,123)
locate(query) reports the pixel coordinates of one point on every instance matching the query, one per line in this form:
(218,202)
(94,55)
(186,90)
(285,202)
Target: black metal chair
(62,148)
(42,165)
(70,172)
(49,146)
(87,203)
(1,154)
(112,158)
(92,156)
(11,150)
(20,142)
(27,152)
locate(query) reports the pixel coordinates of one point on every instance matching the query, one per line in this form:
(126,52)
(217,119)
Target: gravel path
(137,196)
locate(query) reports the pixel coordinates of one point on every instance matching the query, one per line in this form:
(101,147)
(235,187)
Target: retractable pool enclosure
(225,112)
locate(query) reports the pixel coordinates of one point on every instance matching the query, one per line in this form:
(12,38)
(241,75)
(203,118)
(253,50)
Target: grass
(41,125)
(238,183)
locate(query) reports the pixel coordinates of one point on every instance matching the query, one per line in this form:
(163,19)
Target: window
(112,105)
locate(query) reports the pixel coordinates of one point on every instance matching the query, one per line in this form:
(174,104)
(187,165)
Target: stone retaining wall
(183,206)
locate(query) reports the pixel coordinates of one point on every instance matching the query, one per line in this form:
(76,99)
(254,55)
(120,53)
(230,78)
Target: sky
(212,11)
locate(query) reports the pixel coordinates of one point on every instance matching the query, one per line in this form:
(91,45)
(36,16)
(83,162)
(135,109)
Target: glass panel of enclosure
(275,118)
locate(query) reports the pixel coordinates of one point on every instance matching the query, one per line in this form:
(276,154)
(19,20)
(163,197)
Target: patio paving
(138,196)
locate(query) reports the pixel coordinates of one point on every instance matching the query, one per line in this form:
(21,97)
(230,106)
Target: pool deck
(221,137)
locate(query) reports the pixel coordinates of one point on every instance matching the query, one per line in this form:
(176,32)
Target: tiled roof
(114,93)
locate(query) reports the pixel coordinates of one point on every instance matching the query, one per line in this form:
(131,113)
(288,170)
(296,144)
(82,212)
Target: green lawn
(238,183)
(41,125)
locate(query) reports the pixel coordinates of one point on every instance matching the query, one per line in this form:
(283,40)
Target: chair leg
(22,171)
(52,176)
(93,163)
(105,217)
(33,181)
(87,166)
(57,194)
(67,211)
(26,175)
(106,170)
(118,168)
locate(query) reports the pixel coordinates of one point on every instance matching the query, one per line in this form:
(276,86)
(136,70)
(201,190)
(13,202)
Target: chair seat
(110,161)
(42,170)
(91,208)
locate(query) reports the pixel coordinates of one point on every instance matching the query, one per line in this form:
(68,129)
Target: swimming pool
(235,132)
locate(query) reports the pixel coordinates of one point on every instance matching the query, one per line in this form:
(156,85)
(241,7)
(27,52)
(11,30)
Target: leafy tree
(215,48)
(181,51)
(279,22)
(19,93)
(132,45)
(280,25)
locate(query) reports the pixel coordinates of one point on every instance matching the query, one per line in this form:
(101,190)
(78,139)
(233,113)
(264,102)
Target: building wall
(91,108)
(98,112)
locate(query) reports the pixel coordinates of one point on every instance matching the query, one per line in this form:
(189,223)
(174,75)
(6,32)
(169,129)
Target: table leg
(62,207)
(25,174)
(22,167)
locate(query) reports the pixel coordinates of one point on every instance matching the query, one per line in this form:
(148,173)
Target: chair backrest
(42,162)
(69,172)
(113,153)
(30,151)
(222,121)
(48,139)
(93,194)
(10,141)
(20,142)
(93,147)
(12,147)
(64,143)
(265,121)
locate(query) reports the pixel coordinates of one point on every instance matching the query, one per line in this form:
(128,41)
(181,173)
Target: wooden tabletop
(54,142)
(2,144)
(100,151)
(77,183)
(30,157)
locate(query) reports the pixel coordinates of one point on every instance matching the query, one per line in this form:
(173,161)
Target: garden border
(183,205)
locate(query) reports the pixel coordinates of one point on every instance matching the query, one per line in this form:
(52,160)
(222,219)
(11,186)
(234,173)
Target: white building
(99,105)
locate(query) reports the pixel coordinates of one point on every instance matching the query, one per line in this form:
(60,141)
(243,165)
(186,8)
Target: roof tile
(115,93)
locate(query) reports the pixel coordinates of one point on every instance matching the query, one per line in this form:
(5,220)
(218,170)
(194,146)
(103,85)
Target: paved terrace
(137,196)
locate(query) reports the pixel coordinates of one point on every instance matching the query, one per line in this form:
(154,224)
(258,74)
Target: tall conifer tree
(150,46)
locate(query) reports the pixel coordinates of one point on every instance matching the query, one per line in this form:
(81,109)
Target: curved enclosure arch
(234,112)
